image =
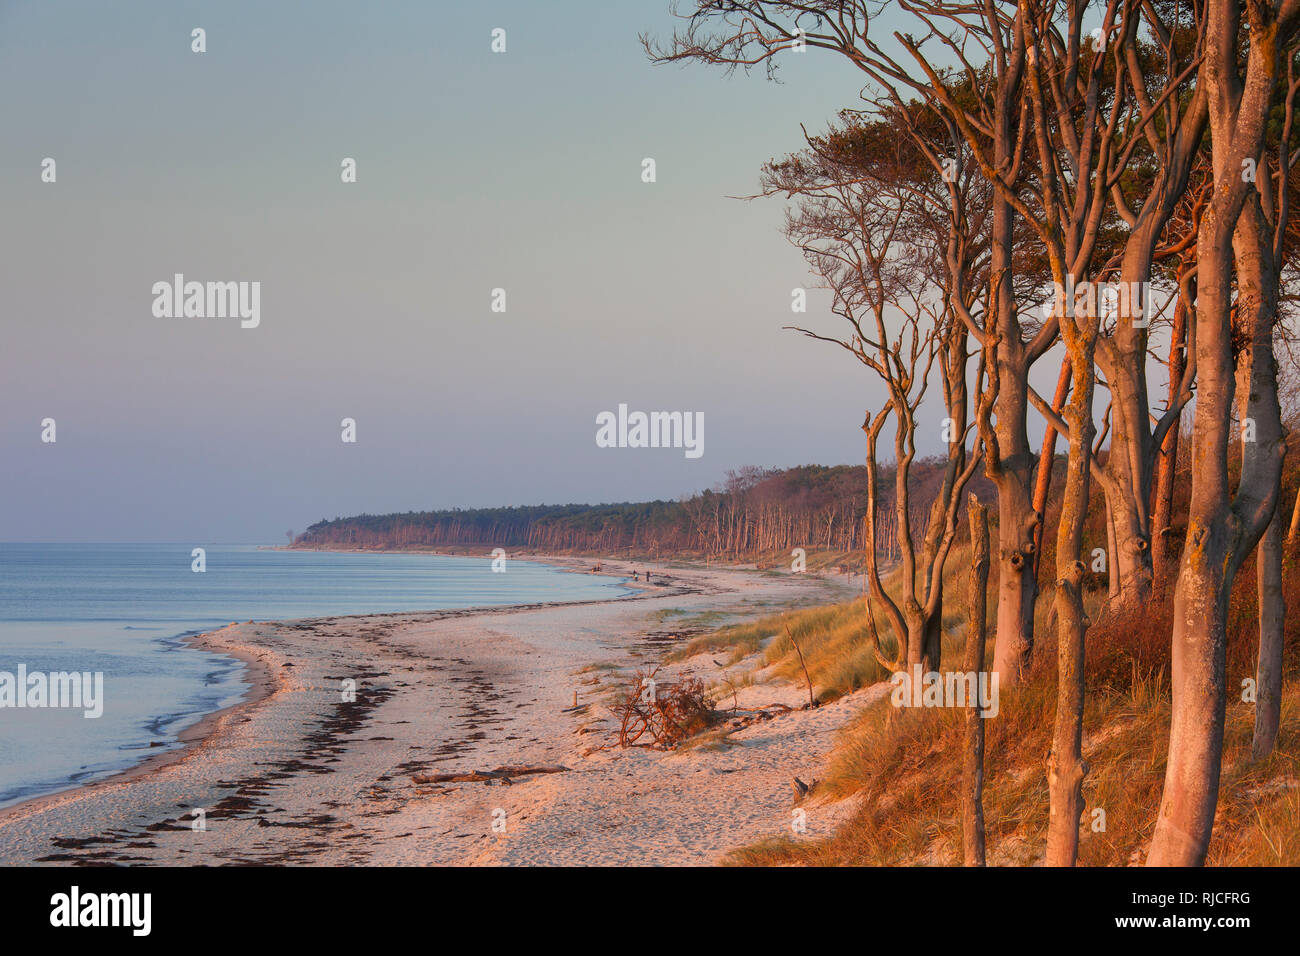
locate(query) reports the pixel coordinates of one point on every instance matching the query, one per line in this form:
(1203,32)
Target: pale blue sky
(476,170)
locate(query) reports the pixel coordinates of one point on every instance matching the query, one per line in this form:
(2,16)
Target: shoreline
(459,689)
(263,683)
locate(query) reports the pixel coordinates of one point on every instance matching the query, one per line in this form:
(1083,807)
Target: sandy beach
(296,774)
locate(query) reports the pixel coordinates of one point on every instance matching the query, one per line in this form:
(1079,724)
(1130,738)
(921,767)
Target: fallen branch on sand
(766,711)
(486,776)
(669,711)
(739,719)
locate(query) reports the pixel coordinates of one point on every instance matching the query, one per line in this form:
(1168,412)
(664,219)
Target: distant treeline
(754,511)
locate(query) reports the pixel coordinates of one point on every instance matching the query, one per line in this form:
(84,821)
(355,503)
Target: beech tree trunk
(1011,462)
(1112,565)
(1221,531)
(1191,789)
(972,805)
(1272,619)
(1121,356)
(1167,457)
(1065,765)
(1263,407)
(1047,457)
(1268,571)
(1017,528)
(1128,467)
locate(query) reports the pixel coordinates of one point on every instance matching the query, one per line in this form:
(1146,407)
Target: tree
(1148,179)
(1224,527)
(872,212)
(992,120)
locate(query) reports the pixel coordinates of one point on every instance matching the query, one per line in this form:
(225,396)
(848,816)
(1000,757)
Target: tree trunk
(1220,532)
(932,639)
(1043,483)
(1132,554)
(1128,468)
(1191,790)
(1122,360)
(1112,565)
(1017,527)
(1268,583)
(1011,463)
(1272,618)
(1167,458)
(1065,765)
(972,807)
(1197,677)
(1017,588)
(916,642)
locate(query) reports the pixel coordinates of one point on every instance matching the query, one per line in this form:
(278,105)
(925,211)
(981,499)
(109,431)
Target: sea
(121,610)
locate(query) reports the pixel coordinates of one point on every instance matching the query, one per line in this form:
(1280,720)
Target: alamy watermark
(651,430)
(76,690)
(75,908)
(208,300)
(952,689)
(1109,300)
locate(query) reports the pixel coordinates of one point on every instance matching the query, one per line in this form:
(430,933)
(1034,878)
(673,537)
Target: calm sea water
(121,610)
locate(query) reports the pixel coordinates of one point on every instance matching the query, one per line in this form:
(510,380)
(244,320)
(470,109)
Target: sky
(476,171)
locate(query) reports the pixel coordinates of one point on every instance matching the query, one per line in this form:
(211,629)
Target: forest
(754,514)
(1002,181)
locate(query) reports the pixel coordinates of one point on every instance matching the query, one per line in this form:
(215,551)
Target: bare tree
(1224,527)
(993,121)
(1148,177)
(872,214)
(1181,363)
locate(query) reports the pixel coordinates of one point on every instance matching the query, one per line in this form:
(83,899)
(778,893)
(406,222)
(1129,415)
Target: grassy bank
(904,765)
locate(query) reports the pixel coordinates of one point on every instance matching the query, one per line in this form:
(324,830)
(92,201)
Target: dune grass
(903,764)
(835,639)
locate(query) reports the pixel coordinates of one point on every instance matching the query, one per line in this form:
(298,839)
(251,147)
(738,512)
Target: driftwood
(801,789)
(766,711)
(669,711)
(486,776)
(740,719)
